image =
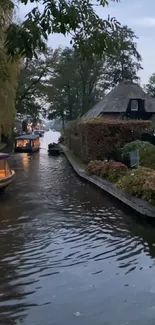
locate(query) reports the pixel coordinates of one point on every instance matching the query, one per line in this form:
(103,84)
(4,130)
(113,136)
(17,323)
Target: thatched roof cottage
(127,100)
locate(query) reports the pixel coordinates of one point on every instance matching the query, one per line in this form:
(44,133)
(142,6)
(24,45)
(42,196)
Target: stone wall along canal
(68,253)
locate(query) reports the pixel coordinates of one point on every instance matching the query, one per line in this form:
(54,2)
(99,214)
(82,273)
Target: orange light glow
(5,171)
(25,160)
(23,143)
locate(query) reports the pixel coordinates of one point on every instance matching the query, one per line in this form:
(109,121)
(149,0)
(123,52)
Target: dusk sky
(138,15)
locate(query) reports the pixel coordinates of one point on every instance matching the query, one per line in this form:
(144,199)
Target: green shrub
(110,170)
(149,188)
(134,145)
(146,152)
(95,167)
(134,180)
(140,183)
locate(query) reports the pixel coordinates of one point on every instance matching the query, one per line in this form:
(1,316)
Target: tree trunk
(63,122)
(24,126)
(83,99)
(122,67)
(69,103)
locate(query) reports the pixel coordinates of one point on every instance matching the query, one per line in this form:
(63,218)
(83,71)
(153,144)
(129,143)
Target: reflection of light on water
(25,160)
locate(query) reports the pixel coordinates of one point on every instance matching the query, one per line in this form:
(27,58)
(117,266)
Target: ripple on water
(62,238)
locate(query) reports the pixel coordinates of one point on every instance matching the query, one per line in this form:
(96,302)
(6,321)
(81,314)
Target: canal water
(68,253)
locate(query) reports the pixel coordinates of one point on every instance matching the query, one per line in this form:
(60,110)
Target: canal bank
(69,254)
(136,204)
(2,146)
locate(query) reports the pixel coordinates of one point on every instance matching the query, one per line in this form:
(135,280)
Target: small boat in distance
(7,175)
(27,143)
(54,149)
(42,132)
(39,132)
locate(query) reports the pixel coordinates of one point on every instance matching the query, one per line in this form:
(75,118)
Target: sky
(136,14)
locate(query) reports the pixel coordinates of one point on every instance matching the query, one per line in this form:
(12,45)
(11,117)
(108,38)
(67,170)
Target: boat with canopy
(27,143)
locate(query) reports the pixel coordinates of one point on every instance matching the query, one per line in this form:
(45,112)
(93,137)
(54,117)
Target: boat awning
(4,155)
(28,137)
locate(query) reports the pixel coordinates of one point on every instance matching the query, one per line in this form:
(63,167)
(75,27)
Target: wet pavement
(69,254)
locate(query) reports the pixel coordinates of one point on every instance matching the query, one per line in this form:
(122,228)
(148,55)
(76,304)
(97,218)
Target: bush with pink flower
(110,170)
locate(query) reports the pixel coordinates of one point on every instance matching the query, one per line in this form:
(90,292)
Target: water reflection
(68,248)
(25,159)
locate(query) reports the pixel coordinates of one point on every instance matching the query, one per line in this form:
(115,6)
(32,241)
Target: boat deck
(4,175)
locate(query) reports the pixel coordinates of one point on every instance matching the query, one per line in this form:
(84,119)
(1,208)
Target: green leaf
(76,17)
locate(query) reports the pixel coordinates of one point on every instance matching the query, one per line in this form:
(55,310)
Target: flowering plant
(110,170)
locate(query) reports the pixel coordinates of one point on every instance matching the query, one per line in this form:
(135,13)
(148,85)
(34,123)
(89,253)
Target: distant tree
(75,86)
(150,87)
(125,62)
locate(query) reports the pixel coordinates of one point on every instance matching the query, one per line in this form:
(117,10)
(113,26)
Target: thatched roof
(116,101)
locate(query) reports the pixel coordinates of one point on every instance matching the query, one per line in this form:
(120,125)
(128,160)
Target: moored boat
(39,132)
(54,149)
(7,175)
(42,132)
(27,143)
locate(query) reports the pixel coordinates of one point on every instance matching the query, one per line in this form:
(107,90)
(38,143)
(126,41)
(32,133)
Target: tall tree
(80,82)
(74,87)
(9,72)
(30,96)
(60,87)
(150,89)
(91,87)
(125,62)
(89,32)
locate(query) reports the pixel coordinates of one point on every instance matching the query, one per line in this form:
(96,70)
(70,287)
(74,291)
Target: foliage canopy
(88,31)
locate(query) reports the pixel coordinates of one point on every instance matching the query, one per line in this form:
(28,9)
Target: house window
(134,105)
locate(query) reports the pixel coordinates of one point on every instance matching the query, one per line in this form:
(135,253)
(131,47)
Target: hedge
(100,137)
(75,145)
(73,141)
